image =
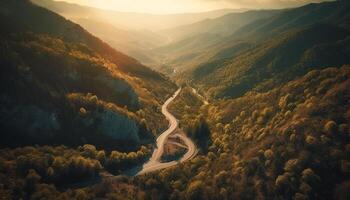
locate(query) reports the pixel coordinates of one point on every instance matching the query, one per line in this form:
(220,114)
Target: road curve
(191,148)
(205,102)
(154,163)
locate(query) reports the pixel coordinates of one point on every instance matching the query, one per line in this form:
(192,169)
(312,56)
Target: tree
(101,156)
(201,134)
(268,154)
(291,165)
(220,178)
(282,180)
(343,129)
(195,190)
(89,150)
(82,112)
(309,176)
(59,165)
(44,191)
(283,102)
(50,172)
(175,195)
(310,140)
(81,195)
(330,127)
(32,179)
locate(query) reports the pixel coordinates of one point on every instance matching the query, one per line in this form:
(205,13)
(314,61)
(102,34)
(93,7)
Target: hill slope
(291,142)
(224,25)
(60,84)
(261,60)
(277,60)
(192,44)
(136,34)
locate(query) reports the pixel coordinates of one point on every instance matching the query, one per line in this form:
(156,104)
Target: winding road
(154,162)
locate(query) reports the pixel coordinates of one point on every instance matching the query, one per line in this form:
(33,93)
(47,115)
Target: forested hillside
(61,85)
(291,142)
(278,59)
(270,51)
(196,43)
(72,108)
(262,110)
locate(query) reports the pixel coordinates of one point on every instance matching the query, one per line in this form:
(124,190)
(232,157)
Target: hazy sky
(180,6)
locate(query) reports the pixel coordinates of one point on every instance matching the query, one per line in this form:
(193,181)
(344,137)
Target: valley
(154,162)
(245,102)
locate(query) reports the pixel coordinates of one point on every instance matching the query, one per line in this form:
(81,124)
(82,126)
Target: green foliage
(268,154)
(343,129)
(286,157)
(194,190)
(46,59)
(200,132)
(89,151)
(101,156)
(311,140)
(41,172)
(118,161)
(284,101)
(40,166)
(81,195)
(288,142)
(282,180)
(330,127)
(311,37)
(187,106)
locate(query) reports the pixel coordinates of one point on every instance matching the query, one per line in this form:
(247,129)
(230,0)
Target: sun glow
(185,6)
(155,6)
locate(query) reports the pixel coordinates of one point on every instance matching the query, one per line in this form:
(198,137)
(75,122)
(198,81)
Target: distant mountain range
(136,34)
(228,54)
(268,51)
(130,20)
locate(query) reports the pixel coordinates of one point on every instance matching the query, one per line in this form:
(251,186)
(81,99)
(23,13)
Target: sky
(182,6)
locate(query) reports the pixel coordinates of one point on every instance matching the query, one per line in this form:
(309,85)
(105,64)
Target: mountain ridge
(56,59)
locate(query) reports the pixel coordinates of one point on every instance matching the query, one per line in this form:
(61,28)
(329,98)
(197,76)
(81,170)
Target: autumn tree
(200,132)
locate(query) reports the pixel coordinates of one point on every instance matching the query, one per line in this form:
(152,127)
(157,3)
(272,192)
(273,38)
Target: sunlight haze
(183,6)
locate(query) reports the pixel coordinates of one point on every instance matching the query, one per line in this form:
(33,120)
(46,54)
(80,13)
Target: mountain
(194,43)
(135,34)
(277,60)
(327,12)
(279,120)
(258,60)
(130,20)
(224,25)
(134,43)
(263,110)
(61,85)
